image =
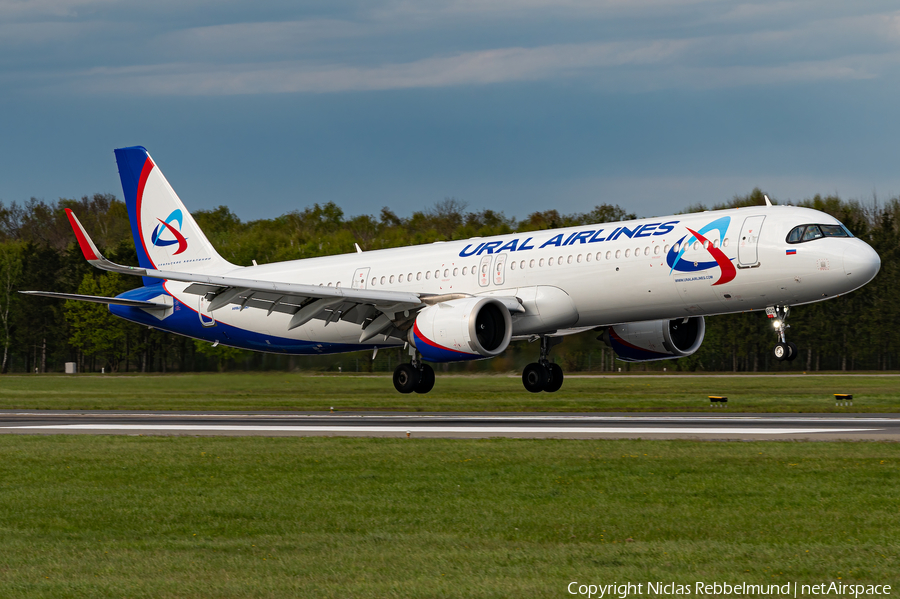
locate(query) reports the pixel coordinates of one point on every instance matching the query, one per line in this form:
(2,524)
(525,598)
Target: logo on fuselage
(156,236)
(675,259)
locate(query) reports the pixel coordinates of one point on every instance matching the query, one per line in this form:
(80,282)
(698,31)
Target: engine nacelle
(656,339)
(470,328)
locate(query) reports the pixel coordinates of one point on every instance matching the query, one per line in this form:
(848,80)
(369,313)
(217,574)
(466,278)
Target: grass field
(92,516)
(281,391)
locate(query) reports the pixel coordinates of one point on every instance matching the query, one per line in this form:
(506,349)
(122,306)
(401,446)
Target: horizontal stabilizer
(100,300)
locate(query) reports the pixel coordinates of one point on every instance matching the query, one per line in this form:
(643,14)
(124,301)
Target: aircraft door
(749,240)
(484,271)
(500,269)
(202,311)
(360,277)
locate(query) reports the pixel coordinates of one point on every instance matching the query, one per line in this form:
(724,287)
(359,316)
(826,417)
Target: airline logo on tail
(156,236)
(675,261)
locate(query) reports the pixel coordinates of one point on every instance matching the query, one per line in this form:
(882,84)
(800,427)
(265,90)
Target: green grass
(92,516)
(280,391)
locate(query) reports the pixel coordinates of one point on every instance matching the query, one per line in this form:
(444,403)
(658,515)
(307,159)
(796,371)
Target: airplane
(646,284)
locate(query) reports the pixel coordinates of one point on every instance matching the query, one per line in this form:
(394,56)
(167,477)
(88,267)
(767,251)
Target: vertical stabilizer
(165,234)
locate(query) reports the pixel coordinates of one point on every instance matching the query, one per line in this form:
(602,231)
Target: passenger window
(382,280)
(437,274)
(409,277)
(696,245)
(374,279)
(637,252)
(559,260)
(656,250)
(677,247)
(706,244)
(338,284)
(392,278)
(618,254)
(419,276)
(725,243)
(666,248)
(512,265)
(455,272)
(550,262)
(541,263)
(465,270)
(427,275)
(400,280)
(627,253)
(586,257)
(446,273)
(569,260)
(608,255)
(531,264)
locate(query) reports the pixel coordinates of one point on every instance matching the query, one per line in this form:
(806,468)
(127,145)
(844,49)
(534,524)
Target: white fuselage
(590,275)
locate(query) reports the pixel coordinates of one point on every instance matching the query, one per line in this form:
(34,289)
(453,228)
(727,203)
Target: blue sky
(513,105)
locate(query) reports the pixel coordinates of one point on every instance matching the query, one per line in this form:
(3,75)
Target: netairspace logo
(723,589)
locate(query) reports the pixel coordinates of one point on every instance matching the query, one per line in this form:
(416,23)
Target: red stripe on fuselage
(145,172)
(728,269)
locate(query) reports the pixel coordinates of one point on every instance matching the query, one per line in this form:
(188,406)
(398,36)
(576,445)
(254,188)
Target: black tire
(426,379)
(556,378)
(535,377)
(406,378)
(794,351)
(782,351)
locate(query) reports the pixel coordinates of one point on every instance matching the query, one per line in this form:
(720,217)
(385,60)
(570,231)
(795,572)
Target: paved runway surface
(459,425)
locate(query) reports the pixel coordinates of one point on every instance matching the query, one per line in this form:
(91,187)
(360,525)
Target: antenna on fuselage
(768,201)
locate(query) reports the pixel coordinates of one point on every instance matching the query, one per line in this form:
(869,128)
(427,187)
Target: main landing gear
(415,376)
(543,375)
(784,350)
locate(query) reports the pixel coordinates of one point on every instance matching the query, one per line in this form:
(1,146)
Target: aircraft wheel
(782,351)
(794,351)
(426,379)
(535,377)
(556,378)
(406,378)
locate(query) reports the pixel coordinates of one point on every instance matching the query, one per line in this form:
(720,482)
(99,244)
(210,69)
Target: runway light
(407,434)
(332,408)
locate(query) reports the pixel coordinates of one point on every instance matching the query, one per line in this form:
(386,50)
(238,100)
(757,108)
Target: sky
(511,105)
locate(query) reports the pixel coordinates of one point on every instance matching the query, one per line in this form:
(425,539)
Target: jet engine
(655,339)
(470,328)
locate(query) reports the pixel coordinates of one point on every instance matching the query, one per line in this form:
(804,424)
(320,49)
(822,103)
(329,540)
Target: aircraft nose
(861,263)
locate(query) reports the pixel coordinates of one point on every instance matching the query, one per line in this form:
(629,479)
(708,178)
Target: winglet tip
(768,201)
(91,254)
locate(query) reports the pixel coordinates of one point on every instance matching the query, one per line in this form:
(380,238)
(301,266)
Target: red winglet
(87,247)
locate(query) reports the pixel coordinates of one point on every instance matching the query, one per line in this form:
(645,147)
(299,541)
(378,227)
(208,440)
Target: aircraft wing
(376,310)
(97,299)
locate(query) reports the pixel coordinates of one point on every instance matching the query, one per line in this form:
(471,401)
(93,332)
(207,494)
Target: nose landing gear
(784,350)
(543,375)
(415,376)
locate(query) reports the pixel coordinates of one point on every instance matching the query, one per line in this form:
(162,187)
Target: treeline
(860,331)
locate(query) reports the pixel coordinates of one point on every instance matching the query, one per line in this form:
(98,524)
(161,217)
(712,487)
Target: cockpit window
(812,232)
(803,233)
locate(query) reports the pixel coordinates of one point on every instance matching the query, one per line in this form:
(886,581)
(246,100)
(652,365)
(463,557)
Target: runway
(828,427)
